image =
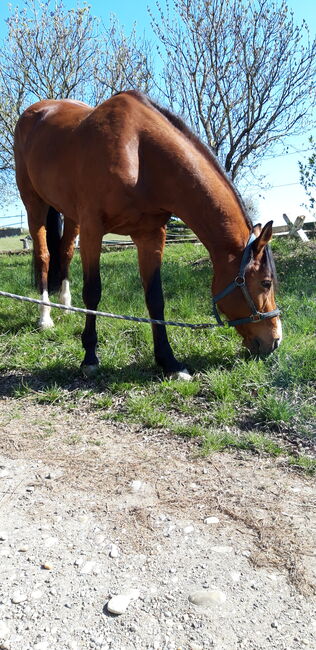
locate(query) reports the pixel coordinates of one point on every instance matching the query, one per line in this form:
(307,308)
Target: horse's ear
(257,229)
(263,239)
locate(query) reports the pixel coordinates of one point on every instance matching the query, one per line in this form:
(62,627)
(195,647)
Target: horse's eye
(266,284)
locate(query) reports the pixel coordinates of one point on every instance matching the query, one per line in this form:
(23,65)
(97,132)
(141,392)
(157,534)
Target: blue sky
(281,172)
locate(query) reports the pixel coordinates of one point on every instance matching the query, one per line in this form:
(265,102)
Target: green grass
(15,244)
(232,402)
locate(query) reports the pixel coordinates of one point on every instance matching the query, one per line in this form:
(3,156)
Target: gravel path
(203,553)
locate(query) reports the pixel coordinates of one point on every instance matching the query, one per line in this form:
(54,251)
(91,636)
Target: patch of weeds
(22,390)
(50,395)
(215,440)
(219,384)
(260,443)
(74,439)
(275,412)
(188,430)
(224,414)
(103,402)
(303,462)
(95,441)
(140,407)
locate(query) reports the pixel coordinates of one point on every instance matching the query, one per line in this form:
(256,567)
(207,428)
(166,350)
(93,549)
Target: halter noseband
(240,281)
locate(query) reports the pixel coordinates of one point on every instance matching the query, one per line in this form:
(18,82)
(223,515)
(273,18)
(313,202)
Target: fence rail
(300,227)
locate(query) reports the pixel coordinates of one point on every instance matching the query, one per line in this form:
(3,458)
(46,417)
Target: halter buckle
(255,317)
(240,281)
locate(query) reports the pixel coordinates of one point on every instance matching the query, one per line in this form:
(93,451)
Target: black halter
(240,281)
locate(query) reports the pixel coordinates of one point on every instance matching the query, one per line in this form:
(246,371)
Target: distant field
(14,243)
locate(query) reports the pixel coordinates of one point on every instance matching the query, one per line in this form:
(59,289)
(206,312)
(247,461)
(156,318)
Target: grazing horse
(125,167)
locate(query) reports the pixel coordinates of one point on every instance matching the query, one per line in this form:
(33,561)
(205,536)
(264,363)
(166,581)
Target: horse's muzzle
(258,347)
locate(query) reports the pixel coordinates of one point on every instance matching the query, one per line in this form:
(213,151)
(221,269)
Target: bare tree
(308,174)
(241,72)
(125,62)
(51,52)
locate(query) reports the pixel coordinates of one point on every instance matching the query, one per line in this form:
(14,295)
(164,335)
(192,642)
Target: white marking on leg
(65,295)
(45,320)
(183,375)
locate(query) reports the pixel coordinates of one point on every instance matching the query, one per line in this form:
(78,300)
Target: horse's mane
(180,124)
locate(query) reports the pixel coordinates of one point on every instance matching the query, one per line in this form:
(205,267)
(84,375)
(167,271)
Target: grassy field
(15,244)
(266,406)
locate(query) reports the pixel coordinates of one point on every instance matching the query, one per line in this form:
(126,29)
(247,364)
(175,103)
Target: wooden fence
(301,227)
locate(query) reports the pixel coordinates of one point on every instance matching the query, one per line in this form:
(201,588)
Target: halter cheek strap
(240,282)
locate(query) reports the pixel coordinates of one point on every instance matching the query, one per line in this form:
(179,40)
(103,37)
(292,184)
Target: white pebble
(87,567)
(211,520)
(207,597)
(136,486)
(36,594)
(50,541)
(235,575)
(188,529)
(119,604)
(4,630)
(114,551)
(18,597)
(3,536)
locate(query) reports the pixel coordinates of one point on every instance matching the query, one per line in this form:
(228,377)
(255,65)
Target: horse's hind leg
(67,244)
(37,214)
(150,250)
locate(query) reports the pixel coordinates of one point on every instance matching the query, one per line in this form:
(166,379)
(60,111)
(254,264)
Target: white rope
(93,312)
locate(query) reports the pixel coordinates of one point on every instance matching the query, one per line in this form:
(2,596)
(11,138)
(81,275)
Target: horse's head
(248,301)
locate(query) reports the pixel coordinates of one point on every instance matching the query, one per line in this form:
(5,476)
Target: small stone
(46,566)
(222,549)
(114,551)
(207,598)
(50,541)
(188,529)
(118,604)
(87,567)
(136,486)
(18,597)
(23,549)
(42,645)
(3,536)
(4,630)
(211,520)
(36,594)
(235,576)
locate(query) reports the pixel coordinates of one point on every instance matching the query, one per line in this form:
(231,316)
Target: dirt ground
(215,552)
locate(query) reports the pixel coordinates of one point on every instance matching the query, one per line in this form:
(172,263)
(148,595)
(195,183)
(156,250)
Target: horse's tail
(53,236)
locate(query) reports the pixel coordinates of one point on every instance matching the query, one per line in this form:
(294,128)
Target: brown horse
(125,167)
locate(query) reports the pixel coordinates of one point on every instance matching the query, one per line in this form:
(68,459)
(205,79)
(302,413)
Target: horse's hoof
(182,375)
(89,371)
(46,323)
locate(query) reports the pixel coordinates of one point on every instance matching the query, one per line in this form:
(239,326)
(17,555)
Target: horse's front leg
(150,248)
(90,250)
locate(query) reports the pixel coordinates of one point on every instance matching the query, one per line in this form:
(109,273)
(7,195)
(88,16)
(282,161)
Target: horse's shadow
(71,378)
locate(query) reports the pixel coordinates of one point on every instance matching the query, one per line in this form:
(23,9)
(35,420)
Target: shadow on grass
(70,377)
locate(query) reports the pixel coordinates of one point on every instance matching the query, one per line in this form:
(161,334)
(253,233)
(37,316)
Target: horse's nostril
(276,343)
(256,345)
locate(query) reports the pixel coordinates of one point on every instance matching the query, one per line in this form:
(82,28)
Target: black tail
(53,236)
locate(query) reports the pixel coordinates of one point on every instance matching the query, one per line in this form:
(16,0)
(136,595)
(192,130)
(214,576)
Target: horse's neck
(215,216)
